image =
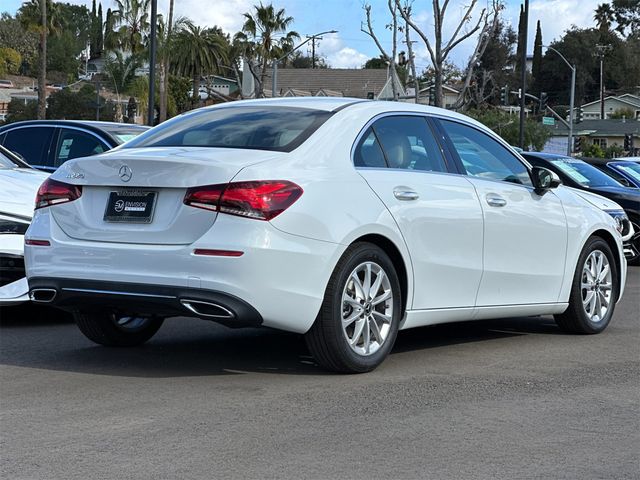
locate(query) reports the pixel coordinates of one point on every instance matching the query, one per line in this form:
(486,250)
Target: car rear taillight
(262,200)
(53,192)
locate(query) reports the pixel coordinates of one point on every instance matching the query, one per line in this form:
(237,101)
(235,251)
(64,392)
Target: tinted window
(258,128)
(408,143)
(368,152)
(630,168)
(32,143)
(484,157)
(75,144)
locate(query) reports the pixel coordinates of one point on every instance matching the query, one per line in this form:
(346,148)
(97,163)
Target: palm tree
(262,28)
(164,66)
(45,18)
(604,17)
(196,51)
(131,21)
(121,70)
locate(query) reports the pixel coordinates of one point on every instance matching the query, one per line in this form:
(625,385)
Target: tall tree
(604,17)
(198,51)
(164,66)
(131,20)
(42,16)
(439,49)
(99,32)
(388,58)
(536,67)
(261,29)
(522,42)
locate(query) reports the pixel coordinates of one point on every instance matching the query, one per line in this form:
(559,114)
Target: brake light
(53,192)
(261,200)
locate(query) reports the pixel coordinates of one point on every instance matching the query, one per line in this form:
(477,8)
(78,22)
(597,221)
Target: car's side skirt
(421,318)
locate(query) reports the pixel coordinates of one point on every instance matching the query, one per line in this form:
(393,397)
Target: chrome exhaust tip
(43,295)
(207,309)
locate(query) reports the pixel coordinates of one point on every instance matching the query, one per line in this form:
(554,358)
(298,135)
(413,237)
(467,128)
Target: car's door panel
(525,234)
(438,214)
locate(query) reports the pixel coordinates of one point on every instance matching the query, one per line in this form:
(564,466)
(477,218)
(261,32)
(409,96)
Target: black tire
(103,329)
(575,319)
(326,339)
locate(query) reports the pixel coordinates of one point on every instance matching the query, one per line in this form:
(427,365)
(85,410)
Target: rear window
(257,128)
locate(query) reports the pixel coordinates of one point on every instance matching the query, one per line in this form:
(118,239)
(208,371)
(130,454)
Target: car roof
(84,123)
(546,156)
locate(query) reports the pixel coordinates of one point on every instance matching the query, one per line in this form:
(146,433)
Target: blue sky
(350,47)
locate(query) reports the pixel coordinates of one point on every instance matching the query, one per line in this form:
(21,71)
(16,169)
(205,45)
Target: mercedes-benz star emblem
(125,173)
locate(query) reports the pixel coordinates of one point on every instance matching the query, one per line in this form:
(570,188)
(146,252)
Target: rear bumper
(165,301)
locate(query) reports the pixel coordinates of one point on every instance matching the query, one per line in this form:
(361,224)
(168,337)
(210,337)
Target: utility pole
(601,51)
(523,72)
(152,64)
(313,39)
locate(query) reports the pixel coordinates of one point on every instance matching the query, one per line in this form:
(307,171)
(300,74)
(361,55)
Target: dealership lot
(495,399)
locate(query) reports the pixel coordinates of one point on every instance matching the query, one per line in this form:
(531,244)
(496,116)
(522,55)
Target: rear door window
(32,143)
(76,143)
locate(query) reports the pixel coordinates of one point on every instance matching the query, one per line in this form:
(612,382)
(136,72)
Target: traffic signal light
(580,115)
(543,101)
(432,95)
(504,95)
(628,142)
(577,144)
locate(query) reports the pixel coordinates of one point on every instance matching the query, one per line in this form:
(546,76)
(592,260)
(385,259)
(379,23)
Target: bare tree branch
(452,44)
(406,15)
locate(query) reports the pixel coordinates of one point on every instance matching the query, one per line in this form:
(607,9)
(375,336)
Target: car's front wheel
(358,322)
(594,291)
(116,330)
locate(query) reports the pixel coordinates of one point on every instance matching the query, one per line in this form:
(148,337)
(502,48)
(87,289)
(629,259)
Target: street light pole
(274,65)
(571,99)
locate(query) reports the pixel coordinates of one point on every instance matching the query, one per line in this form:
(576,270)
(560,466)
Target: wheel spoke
(605,286)
(588,298)
(603,300)
(375,329)
(603,273)
(366,335)
(349,320)
(381,298)
(367,282)
(598,305)
(351,301)
(586,286)
(382,316)
(376,285)
(357,284)
(599,257)
(358,331)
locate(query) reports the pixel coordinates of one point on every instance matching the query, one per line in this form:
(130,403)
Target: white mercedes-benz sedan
(341,219)
(18,186)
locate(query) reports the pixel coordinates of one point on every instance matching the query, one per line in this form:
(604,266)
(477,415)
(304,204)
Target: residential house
(604,133)
(628,101)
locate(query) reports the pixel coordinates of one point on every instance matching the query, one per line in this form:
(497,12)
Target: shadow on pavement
(198,348)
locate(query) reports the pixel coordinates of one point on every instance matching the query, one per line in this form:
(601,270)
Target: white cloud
(338,54)
(226,14)
(557,16)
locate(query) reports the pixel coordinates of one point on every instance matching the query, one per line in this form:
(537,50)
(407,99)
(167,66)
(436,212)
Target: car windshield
(124,135)
(630,168)
(258,128)
(583,173)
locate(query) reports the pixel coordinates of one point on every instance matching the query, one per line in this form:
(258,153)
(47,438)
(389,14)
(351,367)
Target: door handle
(495,200)
(405,194)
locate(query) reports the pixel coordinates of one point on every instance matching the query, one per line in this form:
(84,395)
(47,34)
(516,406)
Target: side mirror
(544,179)
(624,182)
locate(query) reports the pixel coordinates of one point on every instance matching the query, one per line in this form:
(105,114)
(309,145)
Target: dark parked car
(624,171)
(47,144)
(578,174)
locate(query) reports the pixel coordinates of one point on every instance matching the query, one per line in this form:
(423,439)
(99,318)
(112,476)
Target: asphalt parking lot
(497,399)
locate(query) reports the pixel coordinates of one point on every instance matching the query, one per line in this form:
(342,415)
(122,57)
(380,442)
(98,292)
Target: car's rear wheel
(594,291)
(358,322)
(116,330)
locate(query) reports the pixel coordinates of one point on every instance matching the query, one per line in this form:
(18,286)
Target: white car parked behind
(341,219)
(18,186)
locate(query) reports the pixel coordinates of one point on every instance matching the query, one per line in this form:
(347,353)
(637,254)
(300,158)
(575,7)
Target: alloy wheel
(596,286)
(367,308)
